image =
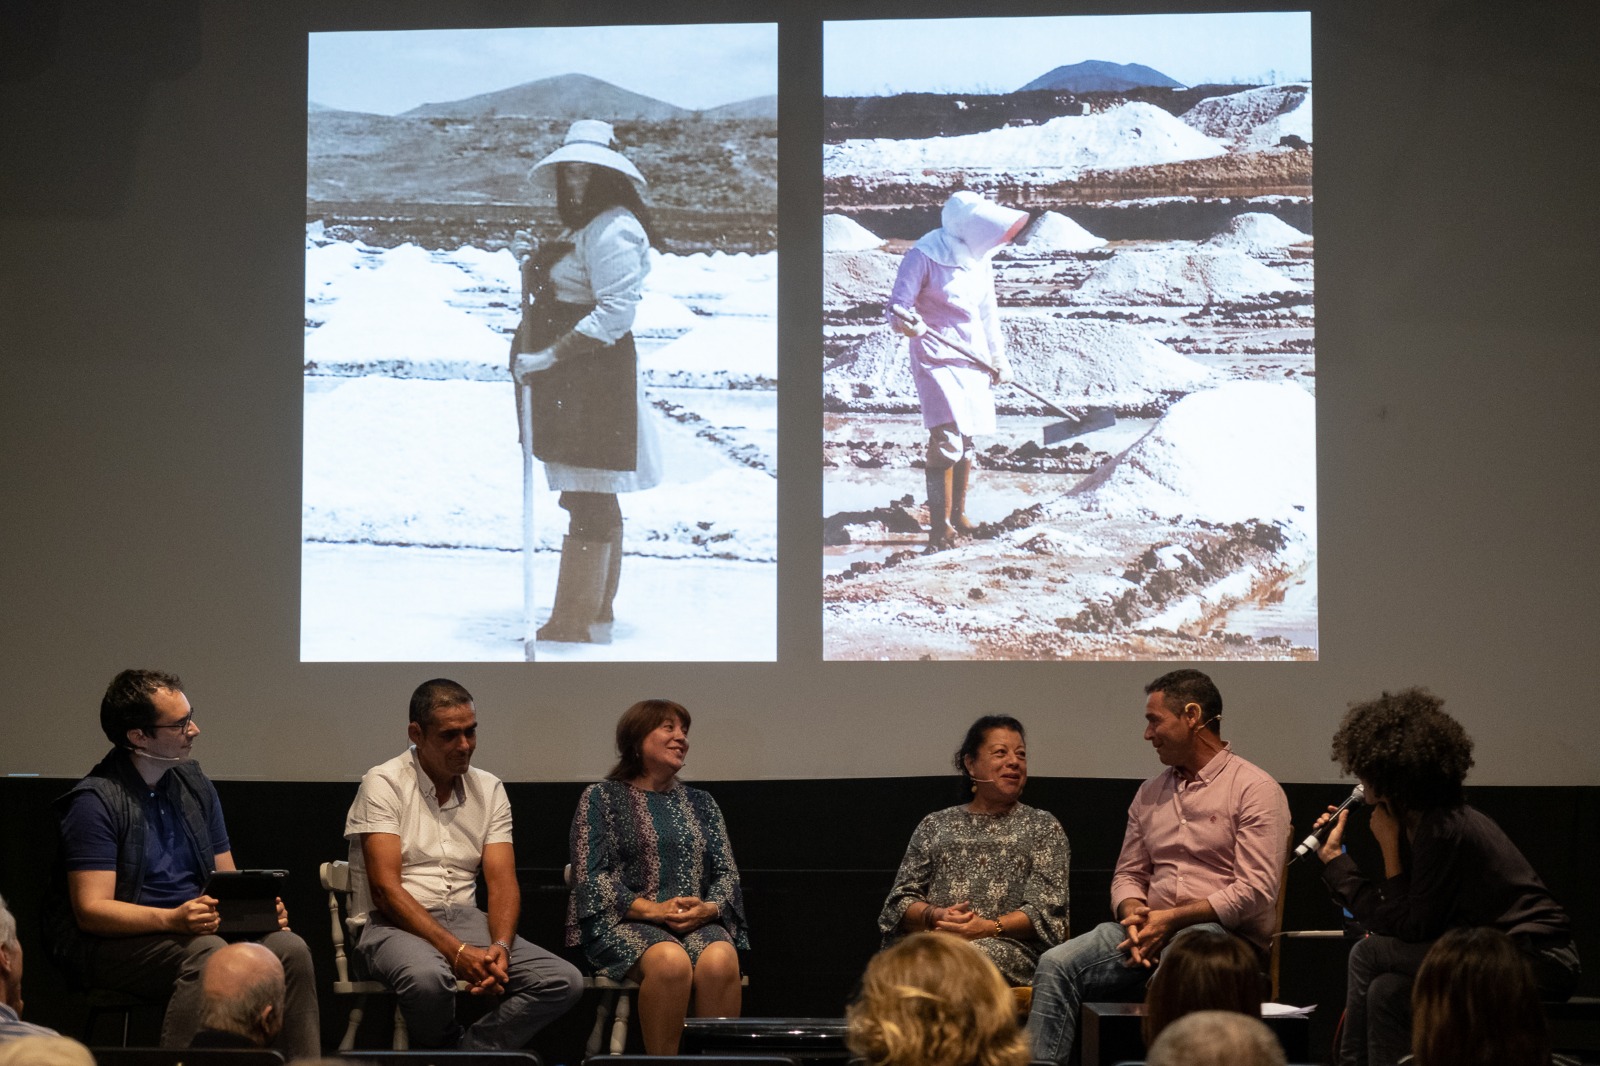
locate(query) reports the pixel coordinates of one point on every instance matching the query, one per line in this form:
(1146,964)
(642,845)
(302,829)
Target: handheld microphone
(1311,842)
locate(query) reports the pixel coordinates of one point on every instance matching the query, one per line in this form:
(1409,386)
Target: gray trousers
(542,986)
(146,965)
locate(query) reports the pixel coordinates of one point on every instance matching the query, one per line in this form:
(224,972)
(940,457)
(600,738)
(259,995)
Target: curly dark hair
(129,703)
(1407,748)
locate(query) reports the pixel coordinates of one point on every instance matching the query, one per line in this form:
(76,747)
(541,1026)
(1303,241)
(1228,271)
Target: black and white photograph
(1069,381)
(540,362)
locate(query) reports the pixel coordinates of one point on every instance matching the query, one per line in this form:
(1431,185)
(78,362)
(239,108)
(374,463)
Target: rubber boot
(578,590)
(938,508)
(600,631)
(959,521)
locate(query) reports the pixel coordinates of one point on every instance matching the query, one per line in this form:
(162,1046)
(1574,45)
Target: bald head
(1216,1038)
(242,985)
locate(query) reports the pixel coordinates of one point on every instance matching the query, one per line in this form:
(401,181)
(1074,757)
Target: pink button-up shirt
(1221,836)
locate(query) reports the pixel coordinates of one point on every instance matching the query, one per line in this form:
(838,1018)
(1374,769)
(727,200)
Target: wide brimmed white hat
(588,140)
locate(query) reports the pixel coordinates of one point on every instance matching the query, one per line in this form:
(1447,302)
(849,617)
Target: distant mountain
(565,96)
(755,107)
(1096,75)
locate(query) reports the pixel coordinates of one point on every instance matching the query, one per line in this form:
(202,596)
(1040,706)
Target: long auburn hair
(636,723)
(1475,1003)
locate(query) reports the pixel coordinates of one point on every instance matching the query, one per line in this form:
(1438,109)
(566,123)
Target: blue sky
(1001,55)
(387,72)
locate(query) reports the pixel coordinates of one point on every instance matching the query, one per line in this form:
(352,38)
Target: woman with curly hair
(1446,865)
(934,1000)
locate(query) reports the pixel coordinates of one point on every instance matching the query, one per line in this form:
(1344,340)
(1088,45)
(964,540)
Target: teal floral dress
(630,842)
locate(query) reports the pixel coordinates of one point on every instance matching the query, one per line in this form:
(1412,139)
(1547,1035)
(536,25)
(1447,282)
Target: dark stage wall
(817,858)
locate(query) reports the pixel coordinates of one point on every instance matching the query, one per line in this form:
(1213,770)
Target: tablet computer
(247,900)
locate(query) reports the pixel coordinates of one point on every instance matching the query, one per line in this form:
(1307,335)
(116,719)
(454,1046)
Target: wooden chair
(335,878)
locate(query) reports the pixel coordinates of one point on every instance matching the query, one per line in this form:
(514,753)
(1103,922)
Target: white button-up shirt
(441,845)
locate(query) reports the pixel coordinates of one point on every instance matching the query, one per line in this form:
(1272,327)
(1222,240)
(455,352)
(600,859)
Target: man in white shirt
(422,826)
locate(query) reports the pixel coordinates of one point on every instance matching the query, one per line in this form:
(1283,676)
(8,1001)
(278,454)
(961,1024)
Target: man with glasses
(140,836)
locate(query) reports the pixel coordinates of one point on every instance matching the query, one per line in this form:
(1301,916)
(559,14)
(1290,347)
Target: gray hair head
(1216,1038)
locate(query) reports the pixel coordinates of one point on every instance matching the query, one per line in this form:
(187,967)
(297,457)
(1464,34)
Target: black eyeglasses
(182,724)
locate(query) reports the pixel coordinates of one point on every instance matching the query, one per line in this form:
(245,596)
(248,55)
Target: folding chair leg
(602,1014)
(619,1028)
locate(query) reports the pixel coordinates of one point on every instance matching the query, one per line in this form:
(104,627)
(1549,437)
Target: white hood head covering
(588,140)
(970,228)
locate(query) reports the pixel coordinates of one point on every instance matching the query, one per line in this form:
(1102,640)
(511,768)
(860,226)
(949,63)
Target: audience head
(44,1051)
(1475,1003)
(129,703)
(636,723)
(10,960)
(1202,970)
(1405,750)
(1216,1038)
(242,990)
(1179,688)
(934,1000)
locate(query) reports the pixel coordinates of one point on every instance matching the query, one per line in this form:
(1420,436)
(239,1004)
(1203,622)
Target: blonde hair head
(933,999)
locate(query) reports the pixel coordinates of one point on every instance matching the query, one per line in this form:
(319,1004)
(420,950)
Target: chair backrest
(161,1056)
(443,1058)
(335,878)
(1276,950)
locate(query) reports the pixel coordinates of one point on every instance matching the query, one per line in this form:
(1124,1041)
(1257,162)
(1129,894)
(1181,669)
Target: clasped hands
(681,914)
(1147,935)
(486,970)
(962,920)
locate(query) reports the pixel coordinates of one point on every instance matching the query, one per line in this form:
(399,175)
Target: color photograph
(1069,385)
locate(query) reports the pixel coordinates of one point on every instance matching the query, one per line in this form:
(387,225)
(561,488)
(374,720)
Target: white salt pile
(1134,134)
(1256,232)
(840,233)
(1071,360)
(1055,232)
(397,320)
(851,279)
(1255,118)
(719,353)
(1244,450)
(1181,276)
(718,283)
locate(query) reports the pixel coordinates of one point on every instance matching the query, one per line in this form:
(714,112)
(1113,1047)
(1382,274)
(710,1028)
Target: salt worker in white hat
(946,284)
(574,349)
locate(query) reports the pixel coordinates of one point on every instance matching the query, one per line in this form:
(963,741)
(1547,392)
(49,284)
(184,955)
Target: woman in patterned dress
(992,871)
(656,892)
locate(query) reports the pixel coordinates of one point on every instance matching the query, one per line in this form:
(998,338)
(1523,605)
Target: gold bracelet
(999,930)
(457,960)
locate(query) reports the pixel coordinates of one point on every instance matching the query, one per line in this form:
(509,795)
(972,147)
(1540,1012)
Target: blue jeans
(1086,969)
(542,987)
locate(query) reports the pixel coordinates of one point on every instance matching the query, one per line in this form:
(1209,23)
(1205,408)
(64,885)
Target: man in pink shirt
(1204,849)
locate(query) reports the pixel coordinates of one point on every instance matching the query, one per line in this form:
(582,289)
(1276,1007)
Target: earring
(974,788)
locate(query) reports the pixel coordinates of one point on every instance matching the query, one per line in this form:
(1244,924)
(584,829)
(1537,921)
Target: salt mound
(841,233)
(659,315)
(1244,450)
(850,279)
(1071,360)
(1055,232)
(1256,231)
(1181,276)
(1135,134)
(719,353)
(718,283)
(1255,118)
